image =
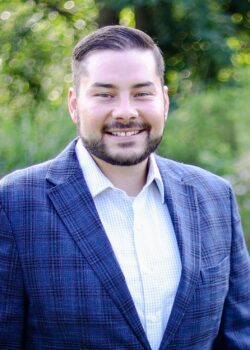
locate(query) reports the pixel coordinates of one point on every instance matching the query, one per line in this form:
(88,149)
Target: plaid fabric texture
(62,288)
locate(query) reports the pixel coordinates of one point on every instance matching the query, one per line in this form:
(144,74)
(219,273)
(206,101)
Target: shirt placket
(152,315)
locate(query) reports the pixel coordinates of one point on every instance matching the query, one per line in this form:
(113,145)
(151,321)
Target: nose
(125,109)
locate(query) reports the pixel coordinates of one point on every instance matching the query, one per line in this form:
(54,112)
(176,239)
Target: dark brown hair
(117,38)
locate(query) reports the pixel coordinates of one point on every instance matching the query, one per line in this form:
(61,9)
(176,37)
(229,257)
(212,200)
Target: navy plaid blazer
(61,286)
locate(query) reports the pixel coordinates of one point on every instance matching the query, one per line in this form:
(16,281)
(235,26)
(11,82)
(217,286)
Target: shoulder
(32,183)
(22,187)
(36,174)
(212,191)
(201,179)
(26,176)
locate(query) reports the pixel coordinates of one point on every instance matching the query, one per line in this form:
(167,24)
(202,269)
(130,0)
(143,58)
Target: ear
(72,104)
(166,101)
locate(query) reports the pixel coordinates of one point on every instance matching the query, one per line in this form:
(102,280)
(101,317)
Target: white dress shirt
(143,239)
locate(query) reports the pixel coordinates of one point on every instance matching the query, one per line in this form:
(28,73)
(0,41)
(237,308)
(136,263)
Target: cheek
(96,113)
(91,117)
(157,122)
(155,115)
(90,127)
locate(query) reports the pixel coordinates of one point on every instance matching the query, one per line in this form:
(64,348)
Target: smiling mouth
(118,129)
(124,133)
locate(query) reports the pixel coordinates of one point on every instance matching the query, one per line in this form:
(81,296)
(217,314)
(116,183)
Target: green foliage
(33,136)
(213,126)
(201,40)
(35,51)
(36,41)
(211,129)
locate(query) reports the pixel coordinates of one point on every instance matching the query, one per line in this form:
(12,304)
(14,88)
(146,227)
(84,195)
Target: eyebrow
(144,84)
(111,86)
(103,85)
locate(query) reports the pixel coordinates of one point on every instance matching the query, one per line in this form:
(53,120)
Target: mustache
(130,125)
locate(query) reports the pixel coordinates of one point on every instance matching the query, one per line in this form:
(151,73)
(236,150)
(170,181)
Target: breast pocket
(216,274)
(205,310)
(209,297)
(212,290)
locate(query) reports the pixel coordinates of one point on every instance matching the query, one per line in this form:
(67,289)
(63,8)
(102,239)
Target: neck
(130,179)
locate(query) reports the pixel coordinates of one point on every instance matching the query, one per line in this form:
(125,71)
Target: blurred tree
(193,35)
(211,129)
(30,32)
(35,52)
(107,15)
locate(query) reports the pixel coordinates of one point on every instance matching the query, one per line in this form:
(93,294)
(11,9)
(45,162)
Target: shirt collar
(98,182)
(155,176)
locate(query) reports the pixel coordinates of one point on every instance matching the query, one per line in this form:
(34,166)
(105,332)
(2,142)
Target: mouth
(124,133)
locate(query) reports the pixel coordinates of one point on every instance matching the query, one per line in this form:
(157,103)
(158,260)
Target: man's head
(118,101)
(117,38)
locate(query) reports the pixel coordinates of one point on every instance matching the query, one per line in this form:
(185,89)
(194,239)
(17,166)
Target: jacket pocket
(216,274)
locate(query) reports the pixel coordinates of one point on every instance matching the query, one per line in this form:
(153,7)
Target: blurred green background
(206,45)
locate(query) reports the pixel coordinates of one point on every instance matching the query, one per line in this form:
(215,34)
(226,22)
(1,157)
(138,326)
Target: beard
(98,148)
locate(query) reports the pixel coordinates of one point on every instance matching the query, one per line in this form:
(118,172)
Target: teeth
(124,133)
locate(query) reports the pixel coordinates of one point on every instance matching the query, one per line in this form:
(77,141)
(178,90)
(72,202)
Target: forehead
(119,65)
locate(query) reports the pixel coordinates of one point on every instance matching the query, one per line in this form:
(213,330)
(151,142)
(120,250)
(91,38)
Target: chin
(124,156)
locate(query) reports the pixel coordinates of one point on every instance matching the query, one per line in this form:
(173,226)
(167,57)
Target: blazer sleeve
(235,324)
(11,289)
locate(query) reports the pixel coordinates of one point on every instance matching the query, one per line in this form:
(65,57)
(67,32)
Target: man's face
(121,106)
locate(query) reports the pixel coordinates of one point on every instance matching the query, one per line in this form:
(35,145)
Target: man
(108,246)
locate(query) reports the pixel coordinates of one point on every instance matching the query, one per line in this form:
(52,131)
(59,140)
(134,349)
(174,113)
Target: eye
(143,94)
(104,95)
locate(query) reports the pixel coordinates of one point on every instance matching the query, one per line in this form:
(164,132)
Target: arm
(11,290)
(235,324)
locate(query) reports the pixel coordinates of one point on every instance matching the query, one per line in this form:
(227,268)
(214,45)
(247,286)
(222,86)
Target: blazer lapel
(182,204)
(73,202)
